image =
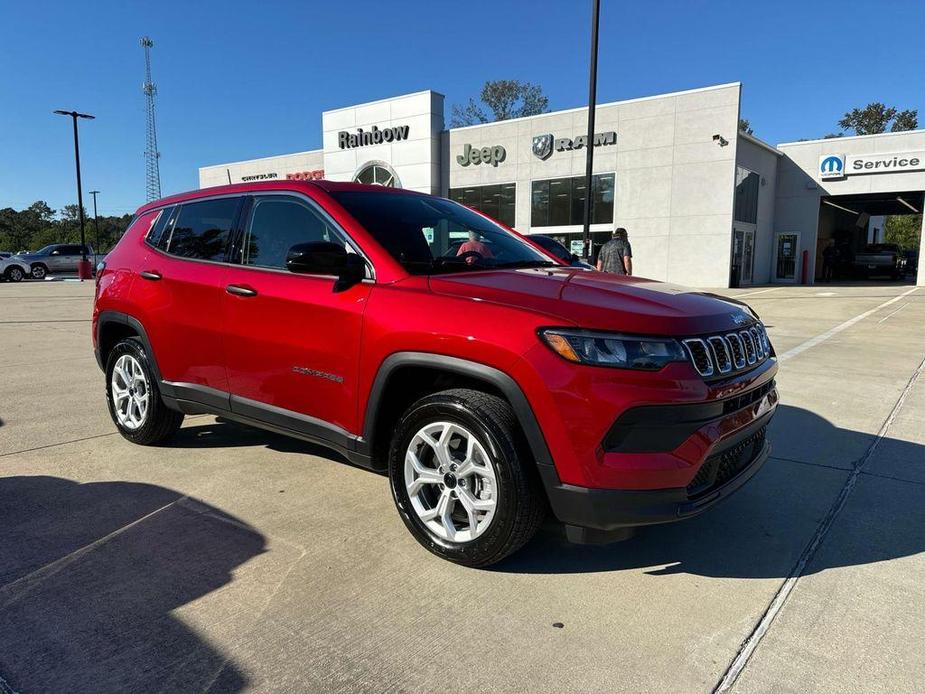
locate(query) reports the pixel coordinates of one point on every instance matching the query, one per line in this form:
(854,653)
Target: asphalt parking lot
(234,559)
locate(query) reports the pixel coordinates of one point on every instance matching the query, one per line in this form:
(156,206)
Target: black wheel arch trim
(107,317)
(497,378)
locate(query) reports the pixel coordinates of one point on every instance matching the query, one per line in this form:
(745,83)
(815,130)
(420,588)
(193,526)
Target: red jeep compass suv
(492,384)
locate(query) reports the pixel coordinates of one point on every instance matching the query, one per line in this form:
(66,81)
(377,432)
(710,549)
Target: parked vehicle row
(55,259)
(493,382)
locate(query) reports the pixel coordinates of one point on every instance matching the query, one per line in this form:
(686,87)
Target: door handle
(240,290)
(152,275)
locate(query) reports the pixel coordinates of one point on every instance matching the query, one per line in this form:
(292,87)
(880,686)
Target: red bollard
(84,270)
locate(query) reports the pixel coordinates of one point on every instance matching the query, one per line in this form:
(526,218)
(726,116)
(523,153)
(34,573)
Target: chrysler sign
(840,165)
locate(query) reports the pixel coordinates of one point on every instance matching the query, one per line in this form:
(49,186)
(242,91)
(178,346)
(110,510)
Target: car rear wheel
(459,473)
(14,274)
(39,271)
(133,397)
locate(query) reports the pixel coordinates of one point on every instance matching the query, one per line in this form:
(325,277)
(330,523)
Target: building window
(561,201)
(378,173)
(746,196)
(495,201)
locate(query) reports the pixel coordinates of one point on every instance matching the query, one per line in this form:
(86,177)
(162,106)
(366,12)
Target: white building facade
(704,205)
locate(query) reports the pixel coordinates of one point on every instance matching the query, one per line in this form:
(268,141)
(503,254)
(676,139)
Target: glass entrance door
(786,250)
(743,256)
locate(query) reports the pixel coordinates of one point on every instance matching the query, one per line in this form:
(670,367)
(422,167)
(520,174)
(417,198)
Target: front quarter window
(429,235)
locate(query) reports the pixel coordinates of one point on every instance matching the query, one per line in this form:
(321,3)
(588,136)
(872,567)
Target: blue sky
(238,80)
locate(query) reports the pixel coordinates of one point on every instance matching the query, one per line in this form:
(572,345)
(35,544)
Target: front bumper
(597,515)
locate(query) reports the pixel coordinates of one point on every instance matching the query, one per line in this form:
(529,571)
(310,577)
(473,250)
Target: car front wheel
(133,397)
(460,477)
(14,274)
(39,271)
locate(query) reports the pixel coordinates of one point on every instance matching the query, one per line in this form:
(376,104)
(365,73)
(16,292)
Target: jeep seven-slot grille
(723,355)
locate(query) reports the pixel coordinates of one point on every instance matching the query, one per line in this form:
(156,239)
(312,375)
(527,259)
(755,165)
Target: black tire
(14,274)
(160,422)
(521,502)
(39,271)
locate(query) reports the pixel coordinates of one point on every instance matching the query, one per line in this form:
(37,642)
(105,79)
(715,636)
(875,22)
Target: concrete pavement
(234,559)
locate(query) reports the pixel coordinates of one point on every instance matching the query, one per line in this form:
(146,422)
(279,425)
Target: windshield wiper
(527,263)
(471,261)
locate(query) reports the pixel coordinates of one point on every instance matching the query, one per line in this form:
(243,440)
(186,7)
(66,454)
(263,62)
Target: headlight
(612,349)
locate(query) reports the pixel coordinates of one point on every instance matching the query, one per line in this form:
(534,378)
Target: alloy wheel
(451,481)
(130,392)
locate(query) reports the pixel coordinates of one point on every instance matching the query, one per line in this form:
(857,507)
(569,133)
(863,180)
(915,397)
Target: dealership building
(705,205)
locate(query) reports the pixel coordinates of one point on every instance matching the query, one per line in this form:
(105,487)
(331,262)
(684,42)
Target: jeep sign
(486,155)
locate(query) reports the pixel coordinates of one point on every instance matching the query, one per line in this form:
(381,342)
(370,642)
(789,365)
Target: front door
(292,342)
(786,254)
(743,256)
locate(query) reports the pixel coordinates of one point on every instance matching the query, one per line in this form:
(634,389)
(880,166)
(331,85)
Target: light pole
(96,222)
(82,273)
(589,144)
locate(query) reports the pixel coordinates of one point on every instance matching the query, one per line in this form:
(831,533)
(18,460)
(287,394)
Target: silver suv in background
(56,259)
(11,269)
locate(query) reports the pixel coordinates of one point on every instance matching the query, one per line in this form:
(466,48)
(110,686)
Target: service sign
(884,163)
(841,165)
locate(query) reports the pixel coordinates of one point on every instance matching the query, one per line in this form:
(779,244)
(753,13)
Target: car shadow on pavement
(225,433)
(90,576)
(761,531)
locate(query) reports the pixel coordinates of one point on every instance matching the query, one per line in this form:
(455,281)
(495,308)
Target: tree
(505,99)
(904,230)
(38,225)
(745,126)
(876,117)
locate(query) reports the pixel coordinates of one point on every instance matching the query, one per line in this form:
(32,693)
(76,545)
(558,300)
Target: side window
(156,232)
(277,223)
(202,229)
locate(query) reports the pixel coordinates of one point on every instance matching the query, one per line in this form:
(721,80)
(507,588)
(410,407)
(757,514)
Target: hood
(600,301)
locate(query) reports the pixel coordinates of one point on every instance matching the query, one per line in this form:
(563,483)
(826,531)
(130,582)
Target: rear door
(70,255)
(56,261)
(293,343)
(179,293)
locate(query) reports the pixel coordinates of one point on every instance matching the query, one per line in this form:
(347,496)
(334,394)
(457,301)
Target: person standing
(616,255)
(828,261)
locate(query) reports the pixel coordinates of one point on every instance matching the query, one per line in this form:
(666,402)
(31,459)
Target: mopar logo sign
(831,166)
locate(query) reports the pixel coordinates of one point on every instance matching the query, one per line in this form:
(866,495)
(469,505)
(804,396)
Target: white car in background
(14,270)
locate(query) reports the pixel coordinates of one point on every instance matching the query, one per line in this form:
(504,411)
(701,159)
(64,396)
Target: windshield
(430,235)
(46,250)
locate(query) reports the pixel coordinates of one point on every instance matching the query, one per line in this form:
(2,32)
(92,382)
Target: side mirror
(325,258)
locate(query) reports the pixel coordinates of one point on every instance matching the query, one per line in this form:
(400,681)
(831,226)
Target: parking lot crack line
(61,443)
(12,592)
(890,315)
(258,619)
(783,593)
(819,339)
